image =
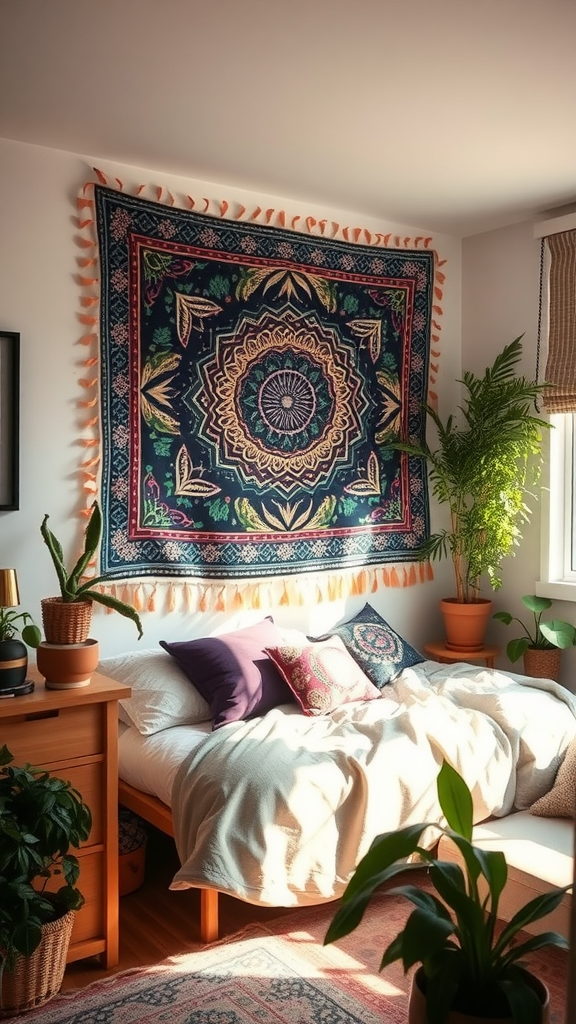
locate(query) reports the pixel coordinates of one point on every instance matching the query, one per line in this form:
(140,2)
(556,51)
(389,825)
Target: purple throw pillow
(233,672)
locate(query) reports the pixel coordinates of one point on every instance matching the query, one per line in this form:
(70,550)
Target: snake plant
(74,586)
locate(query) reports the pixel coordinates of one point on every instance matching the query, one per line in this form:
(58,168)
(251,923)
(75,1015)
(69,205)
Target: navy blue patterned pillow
(379,650)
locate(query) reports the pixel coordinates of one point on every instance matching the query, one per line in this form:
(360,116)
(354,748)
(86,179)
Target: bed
(274,787)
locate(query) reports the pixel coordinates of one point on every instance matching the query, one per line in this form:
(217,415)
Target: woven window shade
(561,362)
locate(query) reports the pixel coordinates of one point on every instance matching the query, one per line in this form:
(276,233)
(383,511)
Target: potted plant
(467,965)
(482,466)
(13,653)
(41,819)
(542,644)
(68,656)
(75,588)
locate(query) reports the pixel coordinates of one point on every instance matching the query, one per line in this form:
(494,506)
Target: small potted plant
(75,587)
(67,656)
(482,466)
(467,965)
(41,819)
(541,644)
(13,653)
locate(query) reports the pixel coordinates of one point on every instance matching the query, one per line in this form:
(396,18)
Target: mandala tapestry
(251,377)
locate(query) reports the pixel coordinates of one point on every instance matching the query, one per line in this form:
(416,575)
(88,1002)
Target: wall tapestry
(250,376)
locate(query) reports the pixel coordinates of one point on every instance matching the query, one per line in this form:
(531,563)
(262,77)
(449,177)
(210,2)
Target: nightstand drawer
(88,779)
(56,735)
(89,920)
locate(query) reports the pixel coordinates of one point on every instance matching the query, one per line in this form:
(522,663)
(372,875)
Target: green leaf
(536,604)
(455,800)
(26,937)
(495,870)
(91,542)
(420,898)
(524,1003)
(69,898)
(5,755)
(442,984)
(423,935)
(504,617)
(448,880)
(31,635)
(118,606)
(392,952)
(70,869)
(532,911)
(560,634)
(516,648)
(352,909)
(56,553)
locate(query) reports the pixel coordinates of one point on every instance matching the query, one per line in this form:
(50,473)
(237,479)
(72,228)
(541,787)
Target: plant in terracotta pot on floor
(485,460)
(541,645)
(471,968)
(41,819)
(66,618)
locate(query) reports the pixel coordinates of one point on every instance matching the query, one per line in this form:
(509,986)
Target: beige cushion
(560,802)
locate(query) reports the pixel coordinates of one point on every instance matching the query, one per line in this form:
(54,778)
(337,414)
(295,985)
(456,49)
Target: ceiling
(454,116)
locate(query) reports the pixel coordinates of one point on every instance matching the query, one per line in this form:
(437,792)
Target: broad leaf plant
(471,963)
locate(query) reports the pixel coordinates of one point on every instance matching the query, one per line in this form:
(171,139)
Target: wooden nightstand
(74,735)
(438,651)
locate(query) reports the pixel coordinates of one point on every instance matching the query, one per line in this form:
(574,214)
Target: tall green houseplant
(486,459)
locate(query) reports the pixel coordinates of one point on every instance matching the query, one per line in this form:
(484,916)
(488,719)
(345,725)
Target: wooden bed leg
(208,915)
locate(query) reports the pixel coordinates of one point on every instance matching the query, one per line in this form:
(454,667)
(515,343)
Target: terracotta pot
(465,624)
(543,664)
(417,1004)
(66,622)
(37,978)
(13,664)
(66,666)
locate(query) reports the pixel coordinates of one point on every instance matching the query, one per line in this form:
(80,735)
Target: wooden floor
(156,923)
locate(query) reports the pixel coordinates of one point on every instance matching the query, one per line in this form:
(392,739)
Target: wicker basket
(543,664)
(37,978)
(66,622)
(132,839)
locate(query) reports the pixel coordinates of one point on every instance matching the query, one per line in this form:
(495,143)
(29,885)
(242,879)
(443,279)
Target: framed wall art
(9,419)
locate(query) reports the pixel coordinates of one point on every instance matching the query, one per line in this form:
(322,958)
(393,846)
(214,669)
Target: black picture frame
(9,420)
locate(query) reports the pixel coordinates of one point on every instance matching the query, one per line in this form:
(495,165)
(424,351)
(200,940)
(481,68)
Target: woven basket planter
(37,978)
(542,664)
(66,622)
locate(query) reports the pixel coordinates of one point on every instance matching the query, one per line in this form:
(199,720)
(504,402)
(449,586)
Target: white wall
(501,274)
(39,297)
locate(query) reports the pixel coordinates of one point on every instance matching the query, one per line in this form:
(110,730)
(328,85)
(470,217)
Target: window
(558,303)
(558,568)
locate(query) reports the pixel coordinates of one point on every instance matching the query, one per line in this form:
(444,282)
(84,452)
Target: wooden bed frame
(160,815)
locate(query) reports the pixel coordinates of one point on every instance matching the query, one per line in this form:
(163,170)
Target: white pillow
(162,695)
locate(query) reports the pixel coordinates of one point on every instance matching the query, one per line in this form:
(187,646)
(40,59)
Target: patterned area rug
(281,973)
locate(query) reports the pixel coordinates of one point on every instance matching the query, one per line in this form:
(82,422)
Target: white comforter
(279,810)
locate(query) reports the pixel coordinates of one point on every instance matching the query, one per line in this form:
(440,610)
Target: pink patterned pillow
(323,675)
